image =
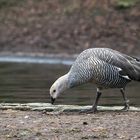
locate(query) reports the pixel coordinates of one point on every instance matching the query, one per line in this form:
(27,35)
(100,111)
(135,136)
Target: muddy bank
(59,108)
(36,125)
(39,121)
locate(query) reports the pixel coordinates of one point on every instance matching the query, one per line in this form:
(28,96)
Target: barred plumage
(104,67)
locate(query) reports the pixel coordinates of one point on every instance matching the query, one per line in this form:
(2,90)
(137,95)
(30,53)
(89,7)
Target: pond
(29,80)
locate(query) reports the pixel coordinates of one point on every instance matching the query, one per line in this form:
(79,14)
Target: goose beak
(52,100)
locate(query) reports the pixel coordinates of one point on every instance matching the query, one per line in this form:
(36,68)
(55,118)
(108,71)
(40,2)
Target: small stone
(26,117)
(22,122)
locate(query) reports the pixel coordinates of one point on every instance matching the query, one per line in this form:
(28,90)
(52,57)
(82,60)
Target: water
(30,82)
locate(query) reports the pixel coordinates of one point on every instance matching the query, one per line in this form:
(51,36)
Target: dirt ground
(35,125)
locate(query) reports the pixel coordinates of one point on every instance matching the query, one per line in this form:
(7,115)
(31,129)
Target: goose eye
(54,90)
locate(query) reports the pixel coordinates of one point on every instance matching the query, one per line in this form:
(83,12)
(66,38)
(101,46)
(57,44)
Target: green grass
(9,3)
(126,3)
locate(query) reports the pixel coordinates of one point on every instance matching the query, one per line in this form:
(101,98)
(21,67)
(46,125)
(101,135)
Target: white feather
(126,77)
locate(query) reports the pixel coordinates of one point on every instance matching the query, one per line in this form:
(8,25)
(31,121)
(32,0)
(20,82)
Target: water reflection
(28,82)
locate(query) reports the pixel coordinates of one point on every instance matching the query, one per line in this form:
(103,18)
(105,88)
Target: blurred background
(39,40)
(69,26)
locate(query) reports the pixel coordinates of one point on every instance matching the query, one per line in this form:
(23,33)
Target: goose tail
(136,66)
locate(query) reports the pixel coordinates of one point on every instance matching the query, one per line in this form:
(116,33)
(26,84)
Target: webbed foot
(126,108)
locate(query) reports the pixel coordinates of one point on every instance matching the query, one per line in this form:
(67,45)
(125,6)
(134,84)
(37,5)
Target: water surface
(30,82)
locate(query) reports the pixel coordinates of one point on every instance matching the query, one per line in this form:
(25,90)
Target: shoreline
(59,108)
(37,58)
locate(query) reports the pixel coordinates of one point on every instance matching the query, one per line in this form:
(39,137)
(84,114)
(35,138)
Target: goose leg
(126,101)
(98,94)
(94,107)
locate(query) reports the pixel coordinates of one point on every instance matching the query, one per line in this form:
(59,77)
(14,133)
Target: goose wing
(129,66)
